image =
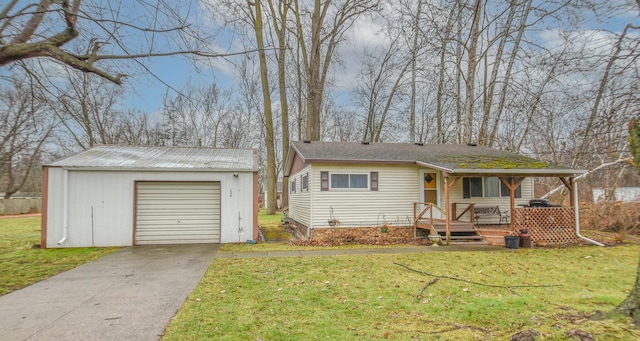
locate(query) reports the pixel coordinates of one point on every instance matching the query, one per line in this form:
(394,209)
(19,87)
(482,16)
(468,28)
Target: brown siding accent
(297,164)
(255,206)
(135,213)
(324,181)
(44,209)
(373,178)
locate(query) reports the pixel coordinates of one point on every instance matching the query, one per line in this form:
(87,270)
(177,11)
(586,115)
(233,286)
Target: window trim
(304,183)
(466,188)
(363,189)
(292,186)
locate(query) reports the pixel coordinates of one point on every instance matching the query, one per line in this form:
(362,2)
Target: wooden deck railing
(546,225)
(418,216)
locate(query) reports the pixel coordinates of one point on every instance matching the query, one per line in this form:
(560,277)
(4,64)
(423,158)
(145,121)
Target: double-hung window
(292,186)
(349,181)
(486,187)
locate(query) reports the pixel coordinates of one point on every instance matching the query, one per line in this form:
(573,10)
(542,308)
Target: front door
(431,190)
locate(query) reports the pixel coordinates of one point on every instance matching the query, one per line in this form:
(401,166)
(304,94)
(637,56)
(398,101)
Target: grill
(541,203)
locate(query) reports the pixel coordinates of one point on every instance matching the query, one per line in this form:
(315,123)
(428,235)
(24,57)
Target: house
(121,196)
(348,190)
(623,194)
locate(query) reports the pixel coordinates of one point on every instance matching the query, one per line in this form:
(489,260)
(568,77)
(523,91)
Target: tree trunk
(268,115)
(279,18)
(631,305)
(471,73)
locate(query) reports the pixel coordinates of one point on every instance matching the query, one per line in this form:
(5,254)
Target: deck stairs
(461,232)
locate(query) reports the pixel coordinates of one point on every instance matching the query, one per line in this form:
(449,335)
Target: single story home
(122,196)
(351,190)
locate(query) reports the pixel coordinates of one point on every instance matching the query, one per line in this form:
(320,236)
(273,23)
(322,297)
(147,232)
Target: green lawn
(369,297)
(22,265)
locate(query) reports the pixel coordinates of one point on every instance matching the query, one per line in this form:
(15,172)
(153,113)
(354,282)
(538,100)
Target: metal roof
(161,158)
(452,158)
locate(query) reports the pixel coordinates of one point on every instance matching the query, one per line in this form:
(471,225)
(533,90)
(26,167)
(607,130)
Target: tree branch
(477,283)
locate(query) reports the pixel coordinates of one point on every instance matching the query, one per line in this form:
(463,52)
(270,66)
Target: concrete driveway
(128,295)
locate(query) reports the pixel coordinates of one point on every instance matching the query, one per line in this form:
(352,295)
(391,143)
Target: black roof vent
(419,144)
(472,144)
(365,142)
(306,141)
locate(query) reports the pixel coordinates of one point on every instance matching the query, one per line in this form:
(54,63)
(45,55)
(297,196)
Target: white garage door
(178,212)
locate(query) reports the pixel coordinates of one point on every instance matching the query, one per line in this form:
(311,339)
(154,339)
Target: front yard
(548,291)
(355,297)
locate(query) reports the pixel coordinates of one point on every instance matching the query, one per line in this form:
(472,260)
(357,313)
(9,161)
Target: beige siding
(398,189)
(300,201)
(101,204)
(502,202)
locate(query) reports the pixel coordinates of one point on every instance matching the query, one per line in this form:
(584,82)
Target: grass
(22,265)
(270,226)
(355,297)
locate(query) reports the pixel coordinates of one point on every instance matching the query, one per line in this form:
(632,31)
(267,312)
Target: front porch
(546,225)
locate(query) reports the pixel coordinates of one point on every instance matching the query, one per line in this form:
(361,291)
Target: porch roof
(455,159)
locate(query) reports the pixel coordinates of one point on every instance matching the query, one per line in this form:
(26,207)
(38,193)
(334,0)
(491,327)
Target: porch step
(495,236)
(458,237)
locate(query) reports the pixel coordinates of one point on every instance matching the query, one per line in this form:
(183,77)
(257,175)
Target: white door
(430,191)
(177,212)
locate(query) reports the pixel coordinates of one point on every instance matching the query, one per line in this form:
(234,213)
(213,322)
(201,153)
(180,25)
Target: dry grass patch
(368,297)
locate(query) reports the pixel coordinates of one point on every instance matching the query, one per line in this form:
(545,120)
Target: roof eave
(140,169)
(533,172)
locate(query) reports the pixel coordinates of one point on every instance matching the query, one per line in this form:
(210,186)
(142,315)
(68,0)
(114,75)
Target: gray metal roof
(453,158)
(161,158)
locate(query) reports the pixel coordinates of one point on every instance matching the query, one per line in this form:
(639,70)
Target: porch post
(512,201)
(447,218)
(512,185)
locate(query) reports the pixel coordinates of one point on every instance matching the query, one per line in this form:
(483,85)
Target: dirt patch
(20,215)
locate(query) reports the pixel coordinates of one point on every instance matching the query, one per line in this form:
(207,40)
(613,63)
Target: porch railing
(425,214)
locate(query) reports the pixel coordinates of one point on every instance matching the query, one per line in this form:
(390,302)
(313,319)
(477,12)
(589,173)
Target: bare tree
(107,31)
(318,46)
(24,129)
(86,106)
(193,117)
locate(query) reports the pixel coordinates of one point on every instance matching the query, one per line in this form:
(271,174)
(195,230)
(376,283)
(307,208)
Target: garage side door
(178,213)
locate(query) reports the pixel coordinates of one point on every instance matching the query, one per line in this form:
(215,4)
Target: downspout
(65,206)
(576,215)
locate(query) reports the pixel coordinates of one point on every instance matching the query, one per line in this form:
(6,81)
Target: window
(487,187)
(349,181)
(324,181)
(292,186)
(373,185)
(492,187)
(304,186)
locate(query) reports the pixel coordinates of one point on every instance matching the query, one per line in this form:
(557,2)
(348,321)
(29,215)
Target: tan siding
(502,202)
(398,189)
(300,201)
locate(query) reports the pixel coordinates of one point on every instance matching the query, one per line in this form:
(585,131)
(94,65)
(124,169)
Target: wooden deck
(460,230)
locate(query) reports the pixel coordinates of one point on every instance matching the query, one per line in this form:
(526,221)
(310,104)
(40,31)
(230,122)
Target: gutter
(576,216)
(65,206)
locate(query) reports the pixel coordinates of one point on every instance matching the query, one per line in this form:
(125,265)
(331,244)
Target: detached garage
(120,196)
